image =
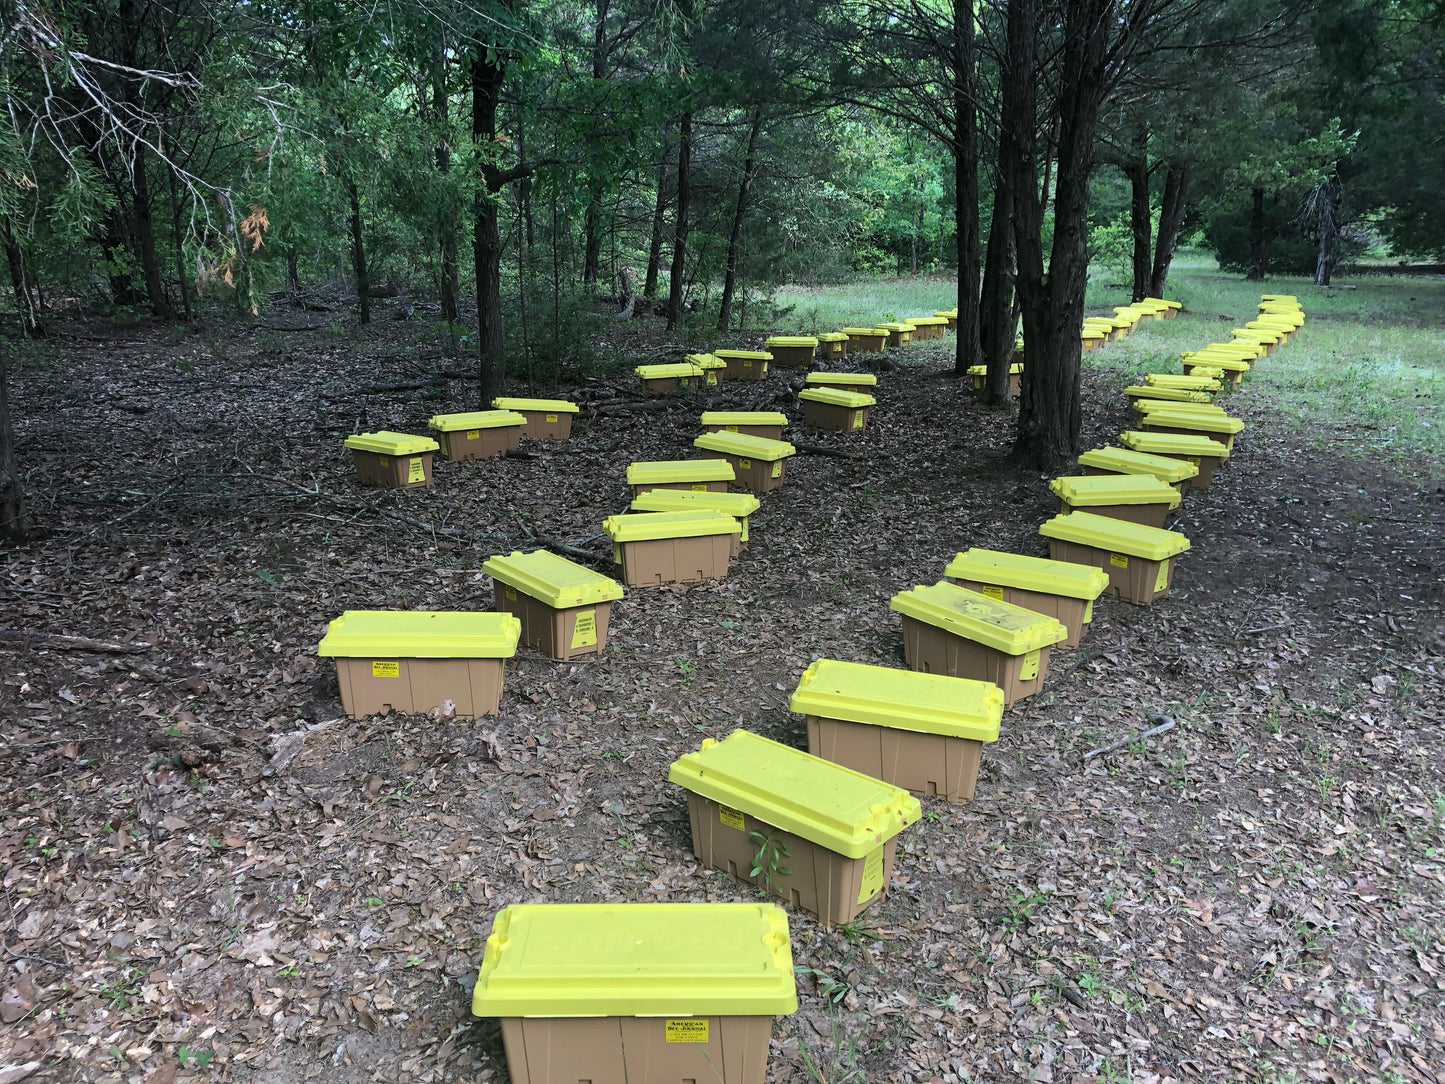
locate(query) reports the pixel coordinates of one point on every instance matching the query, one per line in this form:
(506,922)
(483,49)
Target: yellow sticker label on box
(731,428)
(745,464)
(744,536)
(747,364)
(684,382)
(872,875)
(550,417)
(1119,560)
(711,378)
(382,461)
(616,554)
(699,488)
(473,434)
(687,1031)
(1194,459)
(733,818)
(992,592)
(386,669)
(1029,669)
(415,471)
(510,592)
(1088,611)
(1161,581)
(584,633)
(858,420)
(777,468)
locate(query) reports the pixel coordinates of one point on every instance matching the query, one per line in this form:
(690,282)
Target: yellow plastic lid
(646,526)
(947,314)
(745,446)
(1094,489)
(852,400)
(550,406)
(825,803)
(982,370)
(1099,321)
(661,471)
(832,337)
(865,331)
(1279,297)
(898,325)
(1089,333)
(1172,444)
(637,959)
(1192,419)
(476,419)
(1207,373)
(852,380)
(1166,304)
(421,634)
(560,583)
(1124,461)
(1247,350)
(1192,381)
(745,355)
(678,369)
(1047,577)
(385,442)
(999,625)
(790,340)
(1220,362)
(924,703)
(744,417)
(1271,323)
(1115,535)
(1258,334)
(928,321)
(1148,406)
(1128,311)
(737,505)
(706,361)
(1164,393)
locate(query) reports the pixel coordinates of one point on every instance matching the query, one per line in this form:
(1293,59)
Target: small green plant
(290,971)
(830,989)
(766,863)
(855,931)
(193,1059)
(120,991)
(688,669)
(374,901)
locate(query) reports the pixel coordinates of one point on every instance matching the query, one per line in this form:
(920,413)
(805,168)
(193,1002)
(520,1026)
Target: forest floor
(210,874)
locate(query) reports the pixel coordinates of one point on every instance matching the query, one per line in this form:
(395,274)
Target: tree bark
(358,250)
(965,187)
(998,324)
(487,76)
(1329,228)
(1256,235)
(25,304)
(592,219)
(654,251)
(14,518)
(1171,218)
(1136,168)
(679,233)
(146,236)
(448,285)
(725,311)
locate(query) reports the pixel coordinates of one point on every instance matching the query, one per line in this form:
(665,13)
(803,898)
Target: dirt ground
(210,874)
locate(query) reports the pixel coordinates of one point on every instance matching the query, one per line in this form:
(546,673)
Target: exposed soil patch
(1257,893)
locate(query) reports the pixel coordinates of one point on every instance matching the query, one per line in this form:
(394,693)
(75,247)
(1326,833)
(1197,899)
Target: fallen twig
(819,449)
(73,643)
(1167,724)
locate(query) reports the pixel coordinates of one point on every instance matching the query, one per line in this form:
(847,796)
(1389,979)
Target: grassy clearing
(1366,377)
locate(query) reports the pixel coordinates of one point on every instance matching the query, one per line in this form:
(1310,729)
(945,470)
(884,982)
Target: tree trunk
(730,276)
(592,219)
(654,250)
(182,278)
(1329,201)
(146,235)
(25,304)
(998,326)
(1256,235)
(1171,218)
(14,519)
(965,187)
(448,285)
(293,278)
(358,250)
(487,76)
(679,233)
(1137,170)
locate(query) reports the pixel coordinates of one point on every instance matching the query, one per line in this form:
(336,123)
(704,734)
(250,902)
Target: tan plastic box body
(1207,465)
(392,471)
(819,881)
(1227,439)
(771,432)
(1151,515)
(933,650)
(866,344)
(939,765)
(551,630)
(1068,611)
(832,416)
(834,350)
(1137,579)
(486,444)
(696,487)
(1229,376)
(663,384)
(899,338)
(652,561)
(755,475)
(474,686)
(634,1050)
(745,369)
(1015,383)
(792,356)
(545,424)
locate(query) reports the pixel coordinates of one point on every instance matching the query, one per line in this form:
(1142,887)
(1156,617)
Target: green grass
(1366,376)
